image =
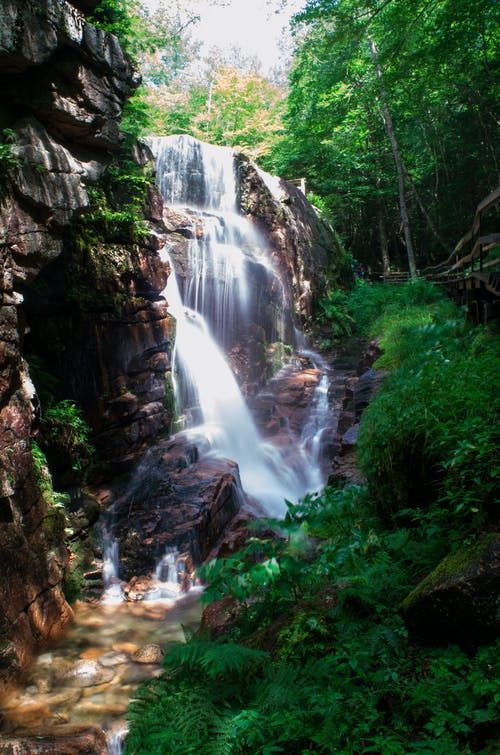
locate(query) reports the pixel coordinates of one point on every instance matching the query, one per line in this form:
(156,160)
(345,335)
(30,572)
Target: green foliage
(117,203)
(439,62)
(55,503)
(333,313)
(8,158)
(342,675)
(367,303)
(126,19)
(429,440)
(66,435)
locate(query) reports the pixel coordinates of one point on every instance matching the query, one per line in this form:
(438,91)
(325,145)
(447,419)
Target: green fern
(215,659)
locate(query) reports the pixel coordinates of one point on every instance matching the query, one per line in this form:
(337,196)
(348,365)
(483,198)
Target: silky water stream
(89,678)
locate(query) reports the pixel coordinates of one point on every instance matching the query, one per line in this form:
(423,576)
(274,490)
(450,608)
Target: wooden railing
(457,266)
(471,273)
(472,279)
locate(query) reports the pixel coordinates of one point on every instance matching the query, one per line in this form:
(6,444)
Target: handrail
(480,245)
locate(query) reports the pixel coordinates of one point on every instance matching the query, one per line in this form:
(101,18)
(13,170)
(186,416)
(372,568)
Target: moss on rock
(459,601)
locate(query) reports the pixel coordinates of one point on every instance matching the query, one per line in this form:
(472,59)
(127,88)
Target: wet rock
(365,389)
(30,714)
(349,439)
(138,587)
(175,499)
(63,85)
(58,701)
(148,654)
(300,240)
(67,740)
(460,600)
(101,711)
(109,660)
(85,673)
(135,674)
(125,647)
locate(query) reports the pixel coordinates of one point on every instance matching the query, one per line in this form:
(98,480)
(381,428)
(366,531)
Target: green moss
(169,400)
(74,580)
(454,564)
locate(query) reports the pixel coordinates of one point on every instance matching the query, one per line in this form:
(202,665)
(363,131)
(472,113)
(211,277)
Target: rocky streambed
(77,693)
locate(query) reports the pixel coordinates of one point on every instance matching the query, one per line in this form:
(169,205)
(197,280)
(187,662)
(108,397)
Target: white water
(169,581)
(201,177)
(227,423)
(110,576)
(312,432)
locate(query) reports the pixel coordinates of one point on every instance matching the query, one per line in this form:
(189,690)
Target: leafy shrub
(367,302)
(333,313)
(65,437)
(431,436)
(8,158)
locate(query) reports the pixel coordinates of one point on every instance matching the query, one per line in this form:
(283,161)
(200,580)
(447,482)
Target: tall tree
(437,62)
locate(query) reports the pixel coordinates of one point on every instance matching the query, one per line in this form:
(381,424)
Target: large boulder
(460,600)
(178,497)
(75,77)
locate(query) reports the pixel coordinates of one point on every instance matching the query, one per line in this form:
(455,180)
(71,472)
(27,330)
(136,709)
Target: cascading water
(317,421)
(168,582)
(227,423)
(224,248)
(110,577)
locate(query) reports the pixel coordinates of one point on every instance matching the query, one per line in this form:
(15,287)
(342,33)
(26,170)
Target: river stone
(69,740)
(108,660)
(85,673)
(148,654)
(29,714)
(460,600)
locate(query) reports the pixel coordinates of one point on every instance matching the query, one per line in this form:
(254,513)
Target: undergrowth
(319,659)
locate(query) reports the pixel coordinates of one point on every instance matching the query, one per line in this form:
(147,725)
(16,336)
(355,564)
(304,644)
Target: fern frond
(215,659)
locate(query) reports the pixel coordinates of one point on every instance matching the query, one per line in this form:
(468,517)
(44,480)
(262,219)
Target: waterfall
(110,577)
(115,738)
(319,414)
(167,578)
(211,309)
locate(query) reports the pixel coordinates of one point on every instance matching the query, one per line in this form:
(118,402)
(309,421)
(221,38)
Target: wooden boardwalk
(471,274)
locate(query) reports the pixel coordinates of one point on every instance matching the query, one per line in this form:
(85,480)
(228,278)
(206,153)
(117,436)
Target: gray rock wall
(64,84)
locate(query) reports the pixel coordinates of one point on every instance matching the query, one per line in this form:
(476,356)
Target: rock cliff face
(64,84)
(301,242)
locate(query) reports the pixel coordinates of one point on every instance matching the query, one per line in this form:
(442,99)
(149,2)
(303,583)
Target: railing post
(480,245)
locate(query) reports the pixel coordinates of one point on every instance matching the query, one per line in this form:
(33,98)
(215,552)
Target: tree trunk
(424,212)
(384,246)
(389,126)
(382,235)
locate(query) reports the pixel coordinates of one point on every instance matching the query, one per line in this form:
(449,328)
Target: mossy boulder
(459,601)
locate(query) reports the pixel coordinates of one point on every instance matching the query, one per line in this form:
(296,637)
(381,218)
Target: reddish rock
(64,85)
(301,241)
(66,740)
(175,498)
